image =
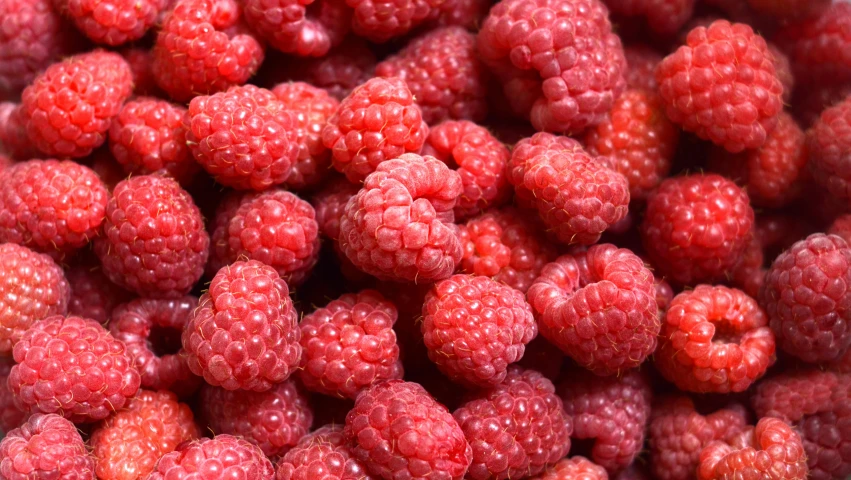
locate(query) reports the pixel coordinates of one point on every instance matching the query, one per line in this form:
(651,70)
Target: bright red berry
(45,446)
(573,468)
(381,20)
(222,455)
(304,28)
(112,22)
(324,450)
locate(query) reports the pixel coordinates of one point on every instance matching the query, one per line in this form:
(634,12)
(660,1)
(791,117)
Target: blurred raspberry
(141,62)
(45,446)
(330,205)
(665,17)
(106,167)
(381,20)
(11,416)
(783,68)
(222,454)
(13,132)
(664,293)
(573,468)
(92,294)
(808,103)
(789,9)
(841,226)
(324,450)
(303,28)
(749,273)
(340,71)
(112,22)
(819,47)
(829,146)
(464,13)
(642,62)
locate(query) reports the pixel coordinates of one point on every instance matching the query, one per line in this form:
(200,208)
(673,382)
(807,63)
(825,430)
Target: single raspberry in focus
(340,71)
(112,22)
(665,17)
(13,132)
(223,454)
(11,416)
(642,62)
(818,47)
(303,28)
(323,450)
(381,20)
(92,294)
(538,145)
(829,148)
(45,446)
(573,468)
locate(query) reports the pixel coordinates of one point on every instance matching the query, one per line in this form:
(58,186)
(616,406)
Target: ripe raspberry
(399,225)
(378,121)
(330,204)
(112,22)
(464,13)
(204,48)
(154,242)
(789,9)
(723,86)
(841,226)
(749,273)
(529,149)
(818,47)
(11,416)
(783,68)
(613,411)
(128,444)
(274,420)
(696,227)
(338,72)
(92,294)
(325,451)
(769,450)
(45,446)
(829,145)
(599,307)
(399,431)
(74,367)
(547,72)
(511,438)
(221,455)
(642,62)
(13,133)
(247,304)
(638,138)
(810,102)
(301,28)
(805,297)
(106,167)
(573,468)
(444,74)
(141,61)
(665,17)
(381,20)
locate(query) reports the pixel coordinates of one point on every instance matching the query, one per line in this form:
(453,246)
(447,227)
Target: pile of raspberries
(425,239)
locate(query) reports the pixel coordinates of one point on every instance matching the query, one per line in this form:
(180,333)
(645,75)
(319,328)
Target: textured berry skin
(330,205)
(13,132)
(564,82)
(45,446)
(529,149)
(128,444)
(225,455)
(244,137)
(517,428)
(69,107)
(806,298)
(148,135)
(344,68)
(303,27)
(141,62)
(350,345)
(585,301)
(11,416)
(573,468)
(381,20)
(112,22)
(638,139)
(203,48)
(749,274)
(444,74)
(51,206)
(72,366)
(92,294)
(475,327)
(642,62)
(247,305)
(464,13)
(154,242)
(722,85)
(613,411)
(665,17)
(829,147)
(818,47)
(772,449)
(399,431)
(841,226)
(323,452)
(32,287)
(399,225)
(696,227)
(783,68)
(378,121)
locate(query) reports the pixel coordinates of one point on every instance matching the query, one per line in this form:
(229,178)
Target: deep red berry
(808,103)
(340,71)
(665,17)
(642,62)
(323,450)
(11,416)
(112,22)
(841,226)
(829,149)
(45,446)
(464,13)
(141,61)
(224,455)
(304,28)
(92,294)
(818,46)
(789,9)
(330,204)
(381,20)
(573,468)
(783,67)
(13,132)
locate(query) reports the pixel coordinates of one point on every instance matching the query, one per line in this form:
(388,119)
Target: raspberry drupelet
(599,307)
(45,446)
(11,416)
(340,71)
(818,46)
(573,468)
(112,22)
(665,17)
(323,450)
(829,148)
(525,150)
(92,294)
(381,20)
(303,28)
(224,455)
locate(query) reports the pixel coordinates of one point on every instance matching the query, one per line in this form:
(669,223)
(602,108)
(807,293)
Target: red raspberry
(339,72)
(32,287)
(13,132)
(665,17)
(642,62)
(573,468)
(148,135)
(69,107)
(218,228)
(841,226)
(154,242)
(789,9)
(244,138)
(464,13)
(638,138)
(221,455)
(829,145)
(510,437)
(818,47)
(444,74)
(128,444)
(324,451)
(247,305)
(274,420)
(749,273)
(203,48)
(46,446)
(399,225)
(399,431)
(558,60)
(840,365)
(723,86)
(112,22)
(810,102)
(11,416)
(613,411)
(529,149)
(378,121)
(303,28)
(696,227)
(92,294)
(381,20)
(350,345)
(74,367)
(805,296)
(587,300)
(330,205)
(783,68)
(141,61)
(107,168)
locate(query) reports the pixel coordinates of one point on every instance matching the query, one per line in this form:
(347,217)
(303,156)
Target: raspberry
(92,294)
(509,437)
(558,60)
(247,304)
(399,431)
(783,68)
(613,411)
(45,446)
(330,204)
(723,86)
(339,72)
(573,468)
(840,365)
(32,287)
(665,17)
(154,242)
(696,227)
(150,330)
(74,367)
(203,48)
(274,420)
(818,47)
(148,135)
(464,13)
(769,450)
(350,345)
(13,132)
(790,9)
(378,121)
(444,74)
(829,146)
(810,102)
(11,416)
(749,273)
(381,20)
(642,62)
(128,444)
(638,138)
(324,451)
(107,168)
(112,22)
(599,307)
(526,150)
(841,226)
(221,455)
(141,62)
(302,28)
(804,296)
(69,107)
